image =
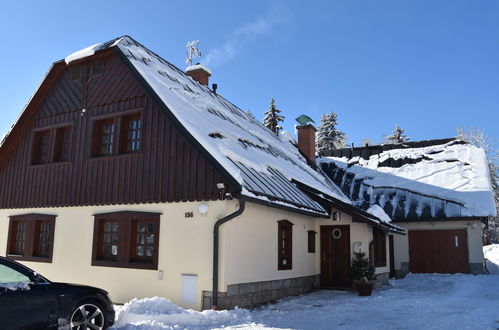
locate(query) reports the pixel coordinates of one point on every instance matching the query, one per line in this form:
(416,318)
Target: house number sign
(337,233)
(189,214)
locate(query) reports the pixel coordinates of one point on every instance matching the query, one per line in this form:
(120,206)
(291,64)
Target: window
(131,134)
(379,247)
(41,147)
(104,137)
(126,239)
(311,241)
(285,245)
(31,237)
(51,146)
(62,144)
(9,275)
(117,135)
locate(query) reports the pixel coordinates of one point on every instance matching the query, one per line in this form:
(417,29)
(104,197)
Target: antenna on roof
(192,50)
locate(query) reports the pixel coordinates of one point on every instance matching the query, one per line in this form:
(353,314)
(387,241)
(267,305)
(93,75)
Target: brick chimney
(306,140)
(199,72)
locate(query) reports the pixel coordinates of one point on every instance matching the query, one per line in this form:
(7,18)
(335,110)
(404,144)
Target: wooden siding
(168,168)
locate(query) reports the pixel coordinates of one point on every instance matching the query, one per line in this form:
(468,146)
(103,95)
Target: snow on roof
(197,67)
(262,162)
(447,178)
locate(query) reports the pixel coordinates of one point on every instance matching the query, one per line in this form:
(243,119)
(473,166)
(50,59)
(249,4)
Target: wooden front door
(335,256)
(438,251)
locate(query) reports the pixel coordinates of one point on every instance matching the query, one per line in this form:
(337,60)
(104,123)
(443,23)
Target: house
(127,173)
(439,191)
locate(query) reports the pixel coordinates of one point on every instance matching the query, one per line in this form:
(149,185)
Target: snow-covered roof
(263,163)
(415,180)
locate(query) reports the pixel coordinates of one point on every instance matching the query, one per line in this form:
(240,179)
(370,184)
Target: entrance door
(438,251)
(335,256)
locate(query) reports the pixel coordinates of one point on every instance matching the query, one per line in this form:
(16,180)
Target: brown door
(392,256)
(438,251)
(335,256)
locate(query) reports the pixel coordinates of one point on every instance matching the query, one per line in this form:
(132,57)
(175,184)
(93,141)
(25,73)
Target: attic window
(216,136)
(41,147)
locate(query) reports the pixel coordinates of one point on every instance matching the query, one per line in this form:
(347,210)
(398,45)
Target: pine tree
(273,117)
(360,267)
(398,135)
(328,136)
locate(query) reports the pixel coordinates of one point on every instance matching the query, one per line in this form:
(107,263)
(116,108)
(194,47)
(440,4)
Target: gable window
(379,247)
(62,144)
(126,239)
(131,134)
(117,135)
(311,241)
(41,147)
(51,145)
(104,137)
(285,245)
(31,237)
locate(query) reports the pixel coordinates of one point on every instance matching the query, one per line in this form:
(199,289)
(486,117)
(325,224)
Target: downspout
(216,232)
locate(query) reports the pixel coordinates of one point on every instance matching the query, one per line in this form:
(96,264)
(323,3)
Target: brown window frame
(120,135)
(125,132)
(38,143)
(98,135)
(55,145)
(32,223)
(62,145)
(284,245)
(379,247)
(125,256)
(311,241)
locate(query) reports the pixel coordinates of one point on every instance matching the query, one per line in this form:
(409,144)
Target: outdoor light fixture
(221,185)
(83,111)
(203,208)
(336,216)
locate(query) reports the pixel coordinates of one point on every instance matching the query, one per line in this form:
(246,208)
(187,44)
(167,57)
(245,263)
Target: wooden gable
(167,168)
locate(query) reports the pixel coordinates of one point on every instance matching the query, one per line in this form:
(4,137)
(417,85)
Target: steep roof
(261,162)
(430,179)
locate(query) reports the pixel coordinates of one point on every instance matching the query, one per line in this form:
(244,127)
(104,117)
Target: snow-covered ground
(422,301)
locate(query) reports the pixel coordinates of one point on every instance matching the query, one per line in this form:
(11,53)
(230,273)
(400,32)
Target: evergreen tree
(398,135)
(273,117)
(328,136)
(360,267)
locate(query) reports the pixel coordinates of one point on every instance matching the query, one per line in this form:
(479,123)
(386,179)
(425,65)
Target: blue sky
(428,66)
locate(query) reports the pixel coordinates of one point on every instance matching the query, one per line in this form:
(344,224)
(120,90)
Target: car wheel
(88,315)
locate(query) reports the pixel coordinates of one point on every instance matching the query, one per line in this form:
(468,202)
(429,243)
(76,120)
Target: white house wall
(185,247)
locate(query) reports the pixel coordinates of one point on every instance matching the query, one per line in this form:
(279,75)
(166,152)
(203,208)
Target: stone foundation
(257,293)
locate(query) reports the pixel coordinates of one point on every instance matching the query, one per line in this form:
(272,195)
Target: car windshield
(10,276)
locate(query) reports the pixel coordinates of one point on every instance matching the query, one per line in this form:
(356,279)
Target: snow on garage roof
(416,180)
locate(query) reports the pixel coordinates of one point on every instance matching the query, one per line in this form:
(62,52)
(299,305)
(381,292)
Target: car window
(9,275)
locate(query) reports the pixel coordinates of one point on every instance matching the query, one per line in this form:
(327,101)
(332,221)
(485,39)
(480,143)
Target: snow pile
(421,301)
(89,51)
(379,213)
(161,313)
(13,286)
(491,253)
(451,178)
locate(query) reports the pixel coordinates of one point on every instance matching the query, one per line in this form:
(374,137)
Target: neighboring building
(126,173)
(438,190)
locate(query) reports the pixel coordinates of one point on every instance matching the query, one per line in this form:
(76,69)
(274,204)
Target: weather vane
(192,50)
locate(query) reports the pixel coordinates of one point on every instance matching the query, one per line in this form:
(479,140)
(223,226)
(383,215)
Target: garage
(438,251)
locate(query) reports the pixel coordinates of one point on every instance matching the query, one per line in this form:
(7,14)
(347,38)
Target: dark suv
(30,301)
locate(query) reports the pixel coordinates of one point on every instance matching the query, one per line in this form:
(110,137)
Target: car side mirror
(36,278)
